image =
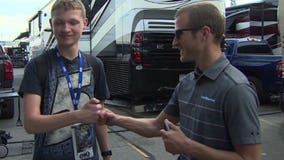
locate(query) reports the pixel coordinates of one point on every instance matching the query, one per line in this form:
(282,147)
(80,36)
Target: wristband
(106,153)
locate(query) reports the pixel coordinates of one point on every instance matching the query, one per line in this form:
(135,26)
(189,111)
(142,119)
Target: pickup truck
(257,61)
(18,56)
(6,85)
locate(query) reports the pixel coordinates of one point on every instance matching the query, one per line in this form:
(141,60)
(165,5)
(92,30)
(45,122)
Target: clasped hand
(90,112)
(94,112)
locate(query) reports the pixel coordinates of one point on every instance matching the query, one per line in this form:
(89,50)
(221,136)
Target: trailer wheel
(262,95)
(7,109)
(3,151)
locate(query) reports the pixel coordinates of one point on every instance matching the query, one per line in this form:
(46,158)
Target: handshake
(94,112)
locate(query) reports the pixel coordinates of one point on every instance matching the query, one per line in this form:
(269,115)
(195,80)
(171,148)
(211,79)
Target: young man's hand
(90,112)
(107,117)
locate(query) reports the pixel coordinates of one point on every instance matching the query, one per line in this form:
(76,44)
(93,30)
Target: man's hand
(90,112)
(173,139)
(107,117)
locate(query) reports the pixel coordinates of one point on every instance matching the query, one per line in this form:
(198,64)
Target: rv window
(17,51)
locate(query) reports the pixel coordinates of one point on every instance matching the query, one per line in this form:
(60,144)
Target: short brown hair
(205,14)
(67,5)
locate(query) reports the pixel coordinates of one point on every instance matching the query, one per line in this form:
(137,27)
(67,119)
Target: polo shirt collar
(214,71)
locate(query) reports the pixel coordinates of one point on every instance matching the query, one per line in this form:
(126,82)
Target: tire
(7,109)
(262,95)
(3,151)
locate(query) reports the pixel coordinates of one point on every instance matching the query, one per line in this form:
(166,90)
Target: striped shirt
(217,108)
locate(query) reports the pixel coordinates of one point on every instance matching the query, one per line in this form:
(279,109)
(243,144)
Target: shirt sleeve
(241,116)
(30,82)
(101,87)
(172,108)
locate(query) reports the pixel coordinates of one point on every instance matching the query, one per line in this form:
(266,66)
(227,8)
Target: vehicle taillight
(137,49)
(137,57)
(8,68)
(138,38)
(280,69)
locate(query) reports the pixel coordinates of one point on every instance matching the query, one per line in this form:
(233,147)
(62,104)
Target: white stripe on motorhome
(237,12)
(242,25)
(98,14)
(245,25)
(265,23)
(128,5)
(123,9)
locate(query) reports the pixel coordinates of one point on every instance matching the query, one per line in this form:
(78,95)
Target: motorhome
(281,24)
(256,20)
(39,31)
(134,40)
(281,28)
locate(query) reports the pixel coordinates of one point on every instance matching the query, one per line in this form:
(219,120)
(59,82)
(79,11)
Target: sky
(15,14)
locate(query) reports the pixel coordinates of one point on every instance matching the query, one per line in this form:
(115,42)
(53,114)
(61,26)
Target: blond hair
(205,14)
(68,5)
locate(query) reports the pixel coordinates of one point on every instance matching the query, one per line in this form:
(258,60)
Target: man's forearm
(47,123)
(102,136)
(144,126)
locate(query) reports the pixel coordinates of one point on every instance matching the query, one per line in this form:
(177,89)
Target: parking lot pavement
(273,136)
(127,145)
(21,143)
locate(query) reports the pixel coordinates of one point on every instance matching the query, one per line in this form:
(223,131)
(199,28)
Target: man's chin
(184,60)
(66,44)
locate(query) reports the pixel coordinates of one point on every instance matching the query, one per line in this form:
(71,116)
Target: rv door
(281,23)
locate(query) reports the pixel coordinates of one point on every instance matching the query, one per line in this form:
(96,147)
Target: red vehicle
(6,86)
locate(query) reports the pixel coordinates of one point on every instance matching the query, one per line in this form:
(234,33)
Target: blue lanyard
(76,99)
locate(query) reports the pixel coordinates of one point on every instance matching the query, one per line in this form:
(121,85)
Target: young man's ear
(50,23)
(86,21)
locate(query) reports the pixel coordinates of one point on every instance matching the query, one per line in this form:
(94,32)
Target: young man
(64,96)
(215,105)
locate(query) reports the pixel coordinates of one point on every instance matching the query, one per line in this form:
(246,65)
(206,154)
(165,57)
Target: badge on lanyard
(83,141)
(82,134)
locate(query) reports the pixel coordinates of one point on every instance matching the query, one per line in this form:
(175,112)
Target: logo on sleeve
(208,99)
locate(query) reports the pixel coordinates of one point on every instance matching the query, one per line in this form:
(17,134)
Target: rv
(256,20)
(281,24)
(39,31)
(281,28)
(134,40)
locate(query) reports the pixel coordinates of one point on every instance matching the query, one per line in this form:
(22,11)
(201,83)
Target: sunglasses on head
(179,32)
